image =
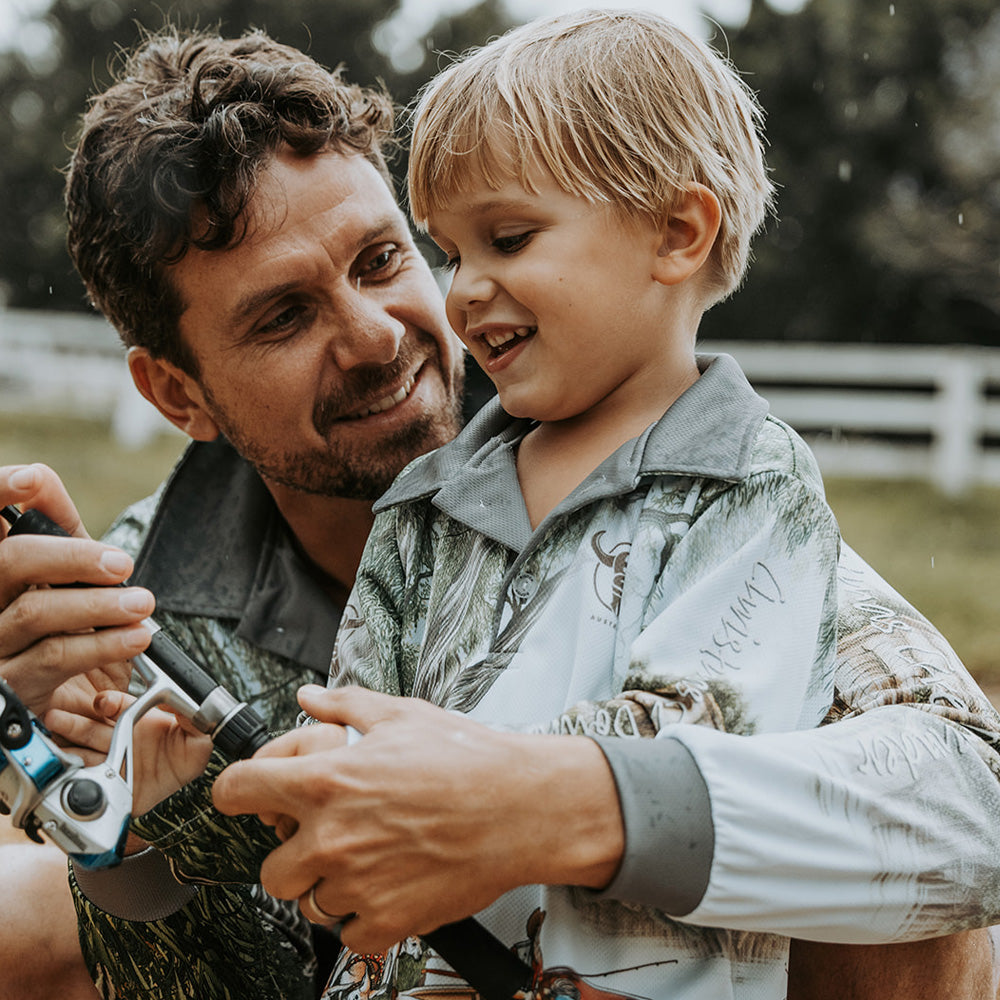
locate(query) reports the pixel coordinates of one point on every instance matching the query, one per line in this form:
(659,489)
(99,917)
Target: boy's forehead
(480,175)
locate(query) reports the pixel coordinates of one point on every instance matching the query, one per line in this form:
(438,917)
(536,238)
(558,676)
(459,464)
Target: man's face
(323,350)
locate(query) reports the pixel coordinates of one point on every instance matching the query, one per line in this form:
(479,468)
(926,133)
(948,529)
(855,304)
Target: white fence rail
(899,411)
(883,411)
(72,364)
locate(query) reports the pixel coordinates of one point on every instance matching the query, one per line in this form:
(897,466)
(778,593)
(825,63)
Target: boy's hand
(47,636)
(427,819)
(167,750)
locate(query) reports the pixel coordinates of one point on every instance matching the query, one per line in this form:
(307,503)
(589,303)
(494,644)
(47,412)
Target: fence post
(956,437)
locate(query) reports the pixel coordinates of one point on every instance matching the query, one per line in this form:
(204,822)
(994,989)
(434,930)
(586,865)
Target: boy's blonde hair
(619,106)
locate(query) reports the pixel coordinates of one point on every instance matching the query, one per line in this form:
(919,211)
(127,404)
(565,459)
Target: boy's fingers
(80,731)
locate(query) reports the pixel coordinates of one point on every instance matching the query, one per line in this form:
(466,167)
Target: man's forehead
(302,204)
(345,188)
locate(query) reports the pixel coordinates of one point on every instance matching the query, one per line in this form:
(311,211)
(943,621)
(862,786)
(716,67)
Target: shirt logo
(609,573)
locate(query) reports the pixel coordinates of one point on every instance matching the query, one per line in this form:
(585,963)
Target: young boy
(631,542)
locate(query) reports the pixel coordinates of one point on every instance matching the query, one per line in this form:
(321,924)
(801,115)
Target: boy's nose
(469,286)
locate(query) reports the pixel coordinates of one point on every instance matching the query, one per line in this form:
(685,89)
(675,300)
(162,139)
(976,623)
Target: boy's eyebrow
(494,205)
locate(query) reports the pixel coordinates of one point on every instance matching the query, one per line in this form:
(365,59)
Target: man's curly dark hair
(178,142)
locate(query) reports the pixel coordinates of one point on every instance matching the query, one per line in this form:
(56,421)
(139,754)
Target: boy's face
(555,298)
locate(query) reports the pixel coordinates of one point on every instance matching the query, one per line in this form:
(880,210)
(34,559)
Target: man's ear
(687,235)
(173,392)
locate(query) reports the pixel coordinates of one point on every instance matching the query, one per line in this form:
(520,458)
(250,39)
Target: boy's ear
(687,235)
(173,392)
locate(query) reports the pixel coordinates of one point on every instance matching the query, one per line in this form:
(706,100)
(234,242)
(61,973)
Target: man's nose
(368,334)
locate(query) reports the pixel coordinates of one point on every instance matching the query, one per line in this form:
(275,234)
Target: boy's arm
(901,782)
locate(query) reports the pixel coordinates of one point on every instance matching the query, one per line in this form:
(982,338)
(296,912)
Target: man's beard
(345,469)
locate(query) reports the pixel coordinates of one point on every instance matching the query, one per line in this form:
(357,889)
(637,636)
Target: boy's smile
(556,298)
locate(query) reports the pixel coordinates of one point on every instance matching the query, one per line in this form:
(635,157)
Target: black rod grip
(32,522)
(179,667)
(481,959)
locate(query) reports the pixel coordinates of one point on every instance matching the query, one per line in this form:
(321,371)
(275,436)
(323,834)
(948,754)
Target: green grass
(943,555)
(101,477)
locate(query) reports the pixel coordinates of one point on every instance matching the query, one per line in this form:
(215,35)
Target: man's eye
(382,264)
(283,321)
(511,244)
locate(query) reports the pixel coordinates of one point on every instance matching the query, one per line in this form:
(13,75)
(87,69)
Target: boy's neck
(557,456)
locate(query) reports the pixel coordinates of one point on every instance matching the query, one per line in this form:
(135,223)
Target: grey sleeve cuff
(141,888)
(669,834)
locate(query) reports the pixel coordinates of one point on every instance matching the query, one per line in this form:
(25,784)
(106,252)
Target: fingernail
(134,601)
(135,637)
(115,561)
(23,479)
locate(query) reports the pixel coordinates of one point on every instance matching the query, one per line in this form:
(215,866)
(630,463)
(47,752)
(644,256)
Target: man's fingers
(352,706)
(38,613)
(271,785)
(34,560)
(305,739)
(37,672)
(38,487)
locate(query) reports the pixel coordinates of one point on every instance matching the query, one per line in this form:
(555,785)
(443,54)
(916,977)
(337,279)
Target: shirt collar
(707,432)
(218,547)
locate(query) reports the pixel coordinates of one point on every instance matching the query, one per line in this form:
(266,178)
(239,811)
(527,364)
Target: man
(291,312)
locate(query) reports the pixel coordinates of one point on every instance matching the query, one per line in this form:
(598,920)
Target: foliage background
(883,120)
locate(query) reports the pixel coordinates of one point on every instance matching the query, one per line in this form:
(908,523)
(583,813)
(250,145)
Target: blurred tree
(883,121)
(884,128)
(69,53)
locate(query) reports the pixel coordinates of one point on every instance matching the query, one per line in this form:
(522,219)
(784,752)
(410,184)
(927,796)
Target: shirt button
(525,586)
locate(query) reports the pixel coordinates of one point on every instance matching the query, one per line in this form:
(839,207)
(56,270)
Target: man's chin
(351,474)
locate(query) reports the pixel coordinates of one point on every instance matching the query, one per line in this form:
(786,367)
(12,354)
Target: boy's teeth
(497,338)
(387,402)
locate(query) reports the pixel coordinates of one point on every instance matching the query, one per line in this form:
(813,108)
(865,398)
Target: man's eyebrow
(252,302)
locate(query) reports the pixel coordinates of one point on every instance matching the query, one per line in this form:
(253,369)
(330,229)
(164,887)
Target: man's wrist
(584,839)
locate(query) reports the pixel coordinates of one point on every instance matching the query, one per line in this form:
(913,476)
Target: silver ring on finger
(327,918)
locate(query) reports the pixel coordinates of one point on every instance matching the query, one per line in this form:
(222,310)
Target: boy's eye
(451,263)
(511,244)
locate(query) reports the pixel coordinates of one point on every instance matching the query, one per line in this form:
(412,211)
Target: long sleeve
(890,817)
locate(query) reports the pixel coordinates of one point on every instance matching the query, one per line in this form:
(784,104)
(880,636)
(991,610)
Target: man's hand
(427,819)
(47,636)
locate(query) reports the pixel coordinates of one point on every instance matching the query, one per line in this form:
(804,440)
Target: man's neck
(331,531)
